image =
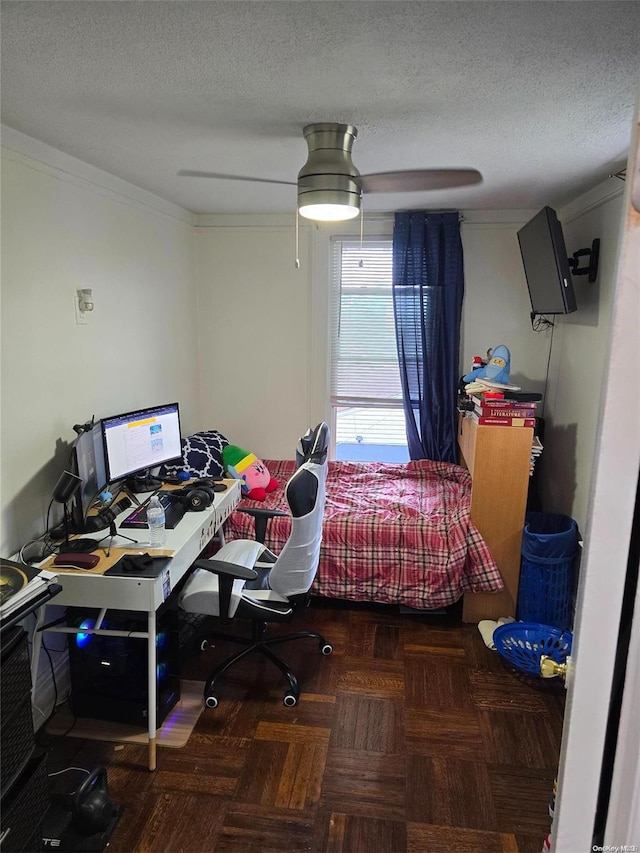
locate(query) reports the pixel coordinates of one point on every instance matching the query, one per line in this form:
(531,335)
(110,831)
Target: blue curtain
(428,288)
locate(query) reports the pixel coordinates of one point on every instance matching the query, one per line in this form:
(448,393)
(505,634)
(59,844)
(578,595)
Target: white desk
(94,589)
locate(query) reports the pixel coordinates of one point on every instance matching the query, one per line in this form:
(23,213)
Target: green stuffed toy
(257,482)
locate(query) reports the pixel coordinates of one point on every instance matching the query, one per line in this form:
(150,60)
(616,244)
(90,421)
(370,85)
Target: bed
(392,533)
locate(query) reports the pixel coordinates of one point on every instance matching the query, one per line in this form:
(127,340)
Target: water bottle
(155,520)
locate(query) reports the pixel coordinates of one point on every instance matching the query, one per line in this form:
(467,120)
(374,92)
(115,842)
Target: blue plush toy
(497,368)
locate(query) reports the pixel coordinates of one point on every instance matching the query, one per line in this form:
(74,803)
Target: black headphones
(194,499)
(197,496)
(212,483)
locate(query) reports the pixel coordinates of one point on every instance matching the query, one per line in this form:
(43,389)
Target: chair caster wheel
(211,702)
(326,648)
(290,700)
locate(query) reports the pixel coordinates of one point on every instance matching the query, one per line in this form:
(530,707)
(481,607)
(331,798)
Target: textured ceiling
(539,96)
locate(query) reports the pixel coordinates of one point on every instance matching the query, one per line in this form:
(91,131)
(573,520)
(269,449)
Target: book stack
(20,585)
(511,413)
(536,452)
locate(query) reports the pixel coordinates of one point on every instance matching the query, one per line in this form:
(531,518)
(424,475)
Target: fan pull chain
(297,264)
(361,262)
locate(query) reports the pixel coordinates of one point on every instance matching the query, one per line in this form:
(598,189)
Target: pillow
(201,454)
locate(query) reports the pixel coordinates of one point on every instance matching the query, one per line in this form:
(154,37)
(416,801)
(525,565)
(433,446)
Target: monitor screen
(546,267)
(89,465)
(137,441)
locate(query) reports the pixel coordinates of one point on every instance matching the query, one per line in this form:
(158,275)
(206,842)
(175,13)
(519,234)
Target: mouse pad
(138,566)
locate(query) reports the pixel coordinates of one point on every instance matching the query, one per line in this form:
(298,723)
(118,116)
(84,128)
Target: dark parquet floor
(412,736)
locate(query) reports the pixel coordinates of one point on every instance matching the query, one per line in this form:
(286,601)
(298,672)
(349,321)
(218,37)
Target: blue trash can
(549,549)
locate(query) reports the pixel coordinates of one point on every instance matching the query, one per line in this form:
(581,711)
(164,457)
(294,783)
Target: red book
(503,404)
(503,421)
(488,410)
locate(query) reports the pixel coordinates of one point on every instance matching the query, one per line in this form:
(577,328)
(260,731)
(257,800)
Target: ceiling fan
(330,188)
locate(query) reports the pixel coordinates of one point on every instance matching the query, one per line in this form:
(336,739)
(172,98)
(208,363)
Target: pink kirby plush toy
(245,466)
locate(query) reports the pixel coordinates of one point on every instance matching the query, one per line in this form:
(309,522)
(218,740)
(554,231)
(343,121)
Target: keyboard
(173,513)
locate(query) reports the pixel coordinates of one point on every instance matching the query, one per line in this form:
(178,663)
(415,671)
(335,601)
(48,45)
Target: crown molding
(602,193)
(38,155)
(43,158)
(378,222)
(254,221)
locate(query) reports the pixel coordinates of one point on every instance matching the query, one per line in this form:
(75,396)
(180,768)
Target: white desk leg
(35,650)
(151,686)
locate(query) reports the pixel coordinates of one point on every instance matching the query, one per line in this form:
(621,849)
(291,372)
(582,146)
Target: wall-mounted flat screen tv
(546,266)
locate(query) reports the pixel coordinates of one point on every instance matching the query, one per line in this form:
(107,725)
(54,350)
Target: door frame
(603,573)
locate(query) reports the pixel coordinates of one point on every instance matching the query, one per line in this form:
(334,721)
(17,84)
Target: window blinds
(364,359)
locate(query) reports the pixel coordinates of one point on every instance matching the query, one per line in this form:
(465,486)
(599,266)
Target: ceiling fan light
(328,183)
(328,205)
(328,212)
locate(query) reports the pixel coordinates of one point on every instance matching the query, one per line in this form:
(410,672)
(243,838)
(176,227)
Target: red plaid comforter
(391,533)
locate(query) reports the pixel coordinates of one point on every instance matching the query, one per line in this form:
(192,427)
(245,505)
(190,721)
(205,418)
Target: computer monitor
(137,441)
(89,465)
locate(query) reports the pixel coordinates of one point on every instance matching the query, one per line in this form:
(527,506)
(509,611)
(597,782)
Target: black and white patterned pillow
(202,455)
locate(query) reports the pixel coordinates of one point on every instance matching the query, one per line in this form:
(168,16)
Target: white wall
(255,328)
(496,307)
(264,324)
(66,226)
(580,348)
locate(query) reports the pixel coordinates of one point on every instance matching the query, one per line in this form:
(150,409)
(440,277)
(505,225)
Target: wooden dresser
(498,460)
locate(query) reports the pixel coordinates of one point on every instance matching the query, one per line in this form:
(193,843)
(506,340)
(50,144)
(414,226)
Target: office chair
(245,580)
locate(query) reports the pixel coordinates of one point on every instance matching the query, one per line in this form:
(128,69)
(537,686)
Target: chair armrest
(222,567)
(261,512)
(261,517)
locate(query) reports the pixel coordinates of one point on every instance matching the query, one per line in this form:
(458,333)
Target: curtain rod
(461,216)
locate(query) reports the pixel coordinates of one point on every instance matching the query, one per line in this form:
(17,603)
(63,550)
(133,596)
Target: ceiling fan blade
(416,180)
(187,173)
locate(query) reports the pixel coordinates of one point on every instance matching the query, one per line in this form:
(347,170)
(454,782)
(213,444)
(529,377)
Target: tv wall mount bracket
(593,255)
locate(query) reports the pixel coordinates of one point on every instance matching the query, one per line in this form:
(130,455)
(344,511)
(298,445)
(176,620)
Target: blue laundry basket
(549,549)
(522,644)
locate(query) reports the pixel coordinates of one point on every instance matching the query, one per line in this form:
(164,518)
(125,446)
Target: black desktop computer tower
(109,674)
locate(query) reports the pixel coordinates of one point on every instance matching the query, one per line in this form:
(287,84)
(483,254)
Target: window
(366,395)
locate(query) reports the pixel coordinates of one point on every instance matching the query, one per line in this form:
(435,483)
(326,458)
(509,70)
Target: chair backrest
(297,564)
(314,444)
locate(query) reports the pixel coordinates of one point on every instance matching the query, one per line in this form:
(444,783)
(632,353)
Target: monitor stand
(143,483)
